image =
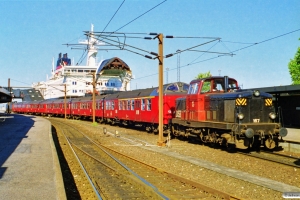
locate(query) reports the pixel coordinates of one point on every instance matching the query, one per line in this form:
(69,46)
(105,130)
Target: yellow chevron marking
(268,102)
(241,102)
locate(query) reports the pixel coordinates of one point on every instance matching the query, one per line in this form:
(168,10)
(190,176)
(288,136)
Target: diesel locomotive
(216,110)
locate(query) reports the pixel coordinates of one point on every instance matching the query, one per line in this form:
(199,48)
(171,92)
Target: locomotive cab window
(193,88)
(217,86)
(206,86)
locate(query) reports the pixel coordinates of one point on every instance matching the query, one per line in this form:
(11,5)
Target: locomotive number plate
(256,120)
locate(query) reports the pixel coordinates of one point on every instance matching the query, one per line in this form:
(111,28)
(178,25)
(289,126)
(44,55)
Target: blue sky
(33,32)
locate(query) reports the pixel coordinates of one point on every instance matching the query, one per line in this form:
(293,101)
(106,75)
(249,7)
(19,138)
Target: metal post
(65,101)
(160,141)
(94,91)
(167,75)
(9,89)
(178,65)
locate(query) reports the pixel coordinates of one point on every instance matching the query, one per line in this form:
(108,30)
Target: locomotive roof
(176,88)
(170,88)
(237,94)
(211,77)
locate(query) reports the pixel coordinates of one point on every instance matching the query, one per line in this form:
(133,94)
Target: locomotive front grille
(256,110)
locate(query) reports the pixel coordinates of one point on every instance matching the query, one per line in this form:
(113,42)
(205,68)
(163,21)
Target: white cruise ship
(76,81)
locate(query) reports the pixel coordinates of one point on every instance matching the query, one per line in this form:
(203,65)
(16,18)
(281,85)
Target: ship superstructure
(71,80)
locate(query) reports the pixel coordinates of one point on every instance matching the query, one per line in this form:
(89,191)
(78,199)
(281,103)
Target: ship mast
(92,51)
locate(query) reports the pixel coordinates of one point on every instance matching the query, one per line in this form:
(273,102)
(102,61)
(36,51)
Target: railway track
(275,157)
(115,175)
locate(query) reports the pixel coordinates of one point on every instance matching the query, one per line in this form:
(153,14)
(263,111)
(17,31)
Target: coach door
(137,107)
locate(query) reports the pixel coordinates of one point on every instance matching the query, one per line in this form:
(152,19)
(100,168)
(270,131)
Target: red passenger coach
(140,107)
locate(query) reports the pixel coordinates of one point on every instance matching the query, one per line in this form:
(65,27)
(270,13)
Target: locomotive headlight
(272,115)
(256,93)
(240,116)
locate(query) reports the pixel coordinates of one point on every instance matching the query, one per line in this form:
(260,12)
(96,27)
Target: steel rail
(207,189)
(82,167)
(202,187)
(260,156)
(148,184)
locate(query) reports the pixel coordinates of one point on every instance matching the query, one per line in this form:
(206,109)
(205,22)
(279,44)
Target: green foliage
(203,75)
(205,87)
(294,68)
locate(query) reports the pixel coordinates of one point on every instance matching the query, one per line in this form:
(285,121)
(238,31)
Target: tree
(294,68)
(203,75)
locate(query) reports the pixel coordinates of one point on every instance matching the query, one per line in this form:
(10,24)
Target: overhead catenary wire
(126,24)
(215,57)
(113,15)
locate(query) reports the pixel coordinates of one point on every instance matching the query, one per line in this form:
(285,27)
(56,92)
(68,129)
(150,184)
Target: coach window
(106,105)
(132,104)
(143,104)
(172,87)
(120,105)
(185,87)
(128,104)
(112,105)
(148,104)
(123,105)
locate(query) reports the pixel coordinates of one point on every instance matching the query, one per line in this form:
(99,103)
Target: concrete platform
(292,141)
(29,167)
(293,135)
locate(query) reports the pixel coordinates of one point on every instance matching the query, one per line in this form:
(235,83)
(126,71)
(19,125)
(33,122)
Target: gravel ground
(239,188)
